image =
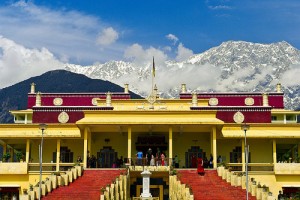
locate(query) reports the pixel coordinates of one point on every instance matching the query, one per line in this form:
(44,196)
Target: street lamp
(245,127)
(42,127)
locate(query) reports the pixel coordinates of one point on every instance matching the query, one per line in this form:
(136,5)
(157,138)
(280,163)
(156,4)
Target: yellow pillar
(170,142)
(129,143)
(57,154)
(27,150)
(85,147)
(274,152)
(214,146)
(89,142)
(243,156)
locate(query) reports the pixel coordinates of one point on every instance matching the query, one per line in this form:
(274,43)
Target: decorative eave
(154,117)
(283,111)
(15,112)
(33,131)
(262,131)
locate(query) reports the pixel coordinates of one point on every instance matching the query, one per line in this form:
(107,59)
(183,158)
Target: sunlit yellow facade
(115,125)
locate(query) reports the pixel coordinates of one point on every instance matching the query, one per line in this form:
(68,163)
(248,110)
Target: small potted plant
(6,157)
(19,156)
(30,187)
(102,190)
(25,191)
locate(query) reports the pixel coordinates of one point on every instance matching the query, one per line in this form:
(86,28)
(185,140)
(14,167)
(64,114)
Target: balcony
(287,168)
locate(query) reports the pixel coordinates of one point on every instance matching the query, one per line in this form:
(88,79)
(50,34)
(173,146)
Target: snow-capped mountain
(232,66)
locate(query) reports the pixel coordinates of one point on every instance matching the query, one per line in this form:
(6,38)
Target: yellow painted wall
(50,145)
(118,142)
(261,150)
(75,145)
(183,142)
(22,180)
(225,146)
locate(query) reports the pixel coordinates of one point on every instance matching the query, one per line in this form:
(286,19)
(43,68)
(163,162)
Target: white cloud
(220,7)
(18,63)
(142,57)
(107,36)
(291,77)
(172,38)
(68,34)
(183,53)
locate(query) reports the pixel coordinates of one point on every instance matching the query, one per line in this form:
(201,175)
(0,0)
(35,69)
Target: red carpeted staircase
(86,187)
(211,186)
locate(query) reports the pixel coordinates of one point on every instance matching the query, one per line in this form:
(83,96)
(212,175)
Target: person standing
(211,159)
(200,168)
(162,159)
(139,156)
(149,156)
(152,161)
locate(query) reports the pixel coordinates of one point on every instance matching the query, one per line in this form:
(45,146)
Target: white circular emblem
(213,101)
(249,101)
(63,117)
(238,117)
(57,101)
(151,99)
(94,101)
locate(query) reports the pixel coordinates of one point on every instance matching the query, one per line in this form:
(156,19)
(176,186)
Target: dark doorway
(106,157)
(192,155)
(9,192)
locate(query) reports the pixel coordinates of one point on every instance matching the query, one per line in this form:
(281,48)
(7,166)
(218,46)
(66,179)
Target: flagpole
(153,68)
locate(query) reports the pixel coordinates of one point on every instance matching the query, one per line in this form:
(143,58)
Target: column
(170,143)
(57,154)
(214,146)
(89,142)
(129,143)
(274,152)
(26,118)
(284,118)
(85,147)
(27,150)
(243,156)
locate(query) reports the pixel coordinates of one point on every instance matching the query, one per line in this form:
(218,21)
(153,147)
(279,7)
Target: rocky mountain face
(232,66)
(58,81)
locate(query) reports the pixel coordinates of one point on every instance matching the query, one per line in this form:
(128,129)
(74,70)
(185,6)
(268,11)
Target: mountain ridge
(58,81)
(232,66)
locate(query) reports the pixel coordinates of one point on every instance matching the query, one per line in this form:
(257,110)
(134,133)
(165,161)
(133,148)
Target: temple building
(111,126)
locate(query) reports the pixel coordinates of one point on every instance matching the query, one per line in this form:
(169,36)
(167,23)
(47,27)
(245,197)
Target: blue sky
(48,32)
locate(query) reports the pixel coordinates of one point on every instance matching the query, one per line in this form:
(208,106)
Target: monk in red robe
(200,168)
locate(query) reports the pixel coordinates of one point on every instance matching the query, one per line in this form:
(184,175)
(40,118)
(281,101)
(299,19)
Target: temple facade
(104,128)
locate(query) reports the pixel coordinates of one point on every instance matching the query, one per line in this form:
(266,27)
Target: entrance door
(106,157)
(192,155)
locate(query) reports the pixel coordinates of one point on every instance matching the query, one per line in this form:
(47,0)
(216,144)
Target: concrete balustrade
(116,190)
(65,179)
(53,181)
(261,193)
(178,190)
(70,175)
(258,193)
(74,171)
(253,189)
(220,170)
(228,176)
(233,180)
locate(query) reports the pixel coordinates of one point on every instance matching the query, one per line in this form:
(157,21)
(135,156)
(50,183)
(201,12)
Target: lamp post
(245,127)
(42,127)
